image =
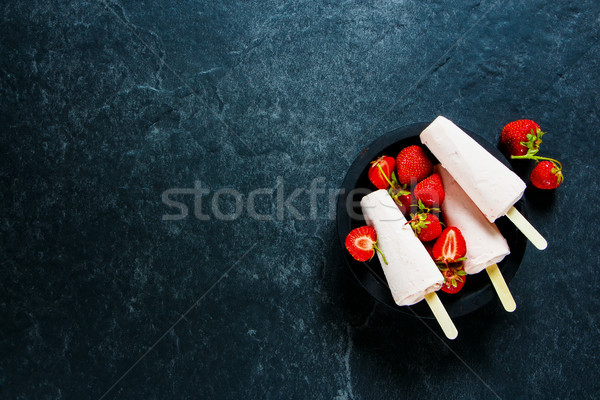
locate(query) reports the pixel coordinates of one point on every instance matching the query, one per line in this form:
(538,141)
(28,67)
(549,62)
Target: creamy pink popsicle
(485,244)
(410,272)
(492,186)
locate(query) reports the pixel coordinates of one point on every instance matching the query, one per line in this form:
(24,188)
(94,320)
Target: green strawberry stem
(532,156)
(380,252)
(418,222)
(397,190)
(384,175)
(394,179)
(534,139)
(424,209)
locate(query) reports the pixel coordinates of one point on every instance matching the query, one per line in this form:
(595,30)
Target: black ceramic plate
(478,290)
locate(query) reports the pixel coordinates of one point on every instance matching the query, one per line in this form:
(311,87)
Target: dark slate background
(106,104)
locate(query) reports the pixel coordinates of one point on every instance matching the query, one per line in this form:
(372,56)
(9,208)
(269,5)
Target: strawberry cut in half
(381,171)
(450,247)
(361,243)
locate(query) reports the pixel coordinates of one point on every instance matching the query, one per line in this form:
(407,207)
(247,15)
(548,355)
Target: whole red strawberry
(361,243)
(413,165)
(521,136)
(381,171)
(546,175)
(407,200)
(426,226)
(402,196)
(450,247)
(430,191)
(454,277)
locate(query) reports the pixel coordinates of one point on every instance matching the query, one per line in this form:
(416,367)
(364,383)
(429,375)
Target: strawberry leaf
(394,179)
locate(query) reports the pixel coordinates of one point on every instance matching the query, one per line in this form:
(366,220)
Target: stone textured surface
(106,104)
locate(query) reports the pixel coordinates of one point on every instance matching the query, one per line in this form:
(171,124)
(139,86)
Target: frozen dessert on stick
(485,244)
(492,186)
(409,270)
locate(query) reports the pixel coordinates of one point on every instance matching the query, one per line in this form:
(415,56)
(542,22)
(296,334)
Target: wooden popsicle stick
(499,283)
(526,228)
(441,315)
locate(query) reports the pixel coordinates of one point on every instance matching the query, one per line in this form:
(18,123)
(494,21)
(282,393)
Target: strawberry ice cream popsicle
(410,272)
(492,186)
(485,244)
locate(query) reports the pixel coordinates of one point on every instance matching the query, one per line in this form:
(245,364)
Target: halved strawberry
(455,277)
(413,165)
(430,191)
(381,171)
(450,247)
(361,243)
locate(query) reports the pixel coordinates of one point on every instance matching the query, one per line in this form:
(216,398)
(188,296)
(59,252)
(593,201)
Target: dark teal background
(105,105)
